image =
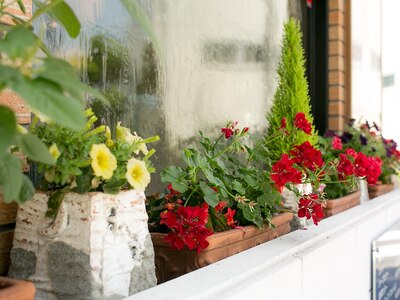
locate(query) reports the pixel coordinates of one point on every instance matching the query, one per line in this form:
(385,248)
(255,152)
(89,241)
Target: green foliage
(223,169)
(291,95)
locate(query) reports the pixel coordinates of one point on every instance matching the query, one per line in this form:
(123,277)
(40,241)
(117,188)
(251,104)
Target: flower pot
(335,206)
(379,189)
(16,289)
(172,263)
(98,246)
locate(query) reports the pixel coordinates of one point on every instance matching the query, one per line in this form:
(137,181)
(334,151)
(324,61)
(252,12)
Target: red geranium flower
(309,207)
(345,166)
(220,206)
(228,132)
(229,217)
(367,167)
(337,143)
(187,226)
(306,155)
(283,172)
(351,152)
(301,122)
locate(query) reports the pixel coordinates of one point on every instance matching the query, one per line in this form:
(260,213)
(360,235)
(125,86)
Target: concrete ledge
(330,261)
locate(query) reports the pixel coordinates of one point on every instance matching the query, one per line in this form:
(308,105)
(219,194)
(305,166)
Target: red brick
(336,17)
(12,100)
(336,78)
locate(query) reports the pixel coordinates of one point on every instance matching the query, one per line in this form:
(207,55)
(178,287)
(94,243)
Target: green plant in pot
(291,97)
(90,160)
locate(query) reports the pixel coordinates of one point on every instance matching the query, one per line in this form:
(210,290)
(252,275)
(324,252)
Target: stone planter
(16,289)
(379,189)
(335,206)
(97,247)
(172,263)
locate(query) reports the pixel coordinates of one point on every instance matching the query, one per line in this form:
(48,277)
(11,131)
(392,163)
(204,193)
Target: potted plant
(368,139)
(341,195)
(203,215)
(84,232)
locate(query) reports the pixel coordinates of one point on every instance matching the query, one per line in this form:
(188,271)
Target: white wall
(330,261)
(366,59)
(391,66)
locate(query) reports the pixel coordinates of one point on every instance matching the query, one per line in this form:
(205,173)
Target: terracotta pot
(335,206)
(379,189)
(16,289)
(172,263)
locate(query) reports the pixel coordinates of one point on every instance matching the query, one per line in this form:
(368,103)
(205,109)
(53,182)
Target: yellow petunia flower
(103,161)
(125,134)
(137,174)
(55,153)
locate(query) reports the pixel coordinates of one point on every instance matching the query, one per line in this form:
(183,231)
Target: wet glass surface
(219,62)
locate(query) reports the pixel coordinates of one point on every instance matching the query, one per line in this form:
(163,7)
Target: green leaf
(210,196)
(215,181)
(83,182)
(8,127)
(62,73)
(20,43)
(27,190)
(67,18)
(10,178)
(113,186)
(138,14)
(34,148)
(21,6)
(175,176)
(47,97)
(239,187)
(54,202)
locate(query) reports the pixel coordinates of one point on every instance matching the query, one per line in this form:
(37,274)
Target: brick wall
(8,211)
(339,95)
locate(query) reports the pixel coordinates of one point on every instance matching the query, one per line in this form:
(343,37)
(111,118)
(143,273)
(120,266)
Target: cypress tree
(290,97)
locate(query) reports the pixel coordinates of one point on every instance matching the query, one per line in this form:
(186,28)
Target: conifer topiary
(290,97)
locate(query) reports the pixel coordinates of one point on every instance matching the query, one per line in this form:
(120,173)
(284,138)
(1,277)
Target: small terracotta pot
(16,289)
(379,189)
(172,263)
(335,206)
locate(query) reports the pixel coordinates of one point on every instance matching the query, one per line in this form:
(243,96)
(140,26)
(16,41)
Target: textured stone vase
(335,206)
(98,246)
(171,263)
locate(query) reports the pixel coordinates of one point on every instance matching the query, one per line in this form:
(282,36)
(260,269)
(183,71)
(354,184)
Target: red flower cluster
(345,167)
(364,166)
(229,217)
(171,193)
(283,172)
(187,226)
(309,207)
(368,167)
(306,155)
(229,131)
(337,143)
(301,122)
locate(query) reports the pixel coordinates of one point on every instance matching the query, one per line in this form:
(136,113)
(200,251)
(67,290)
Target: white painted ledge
(330,261)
